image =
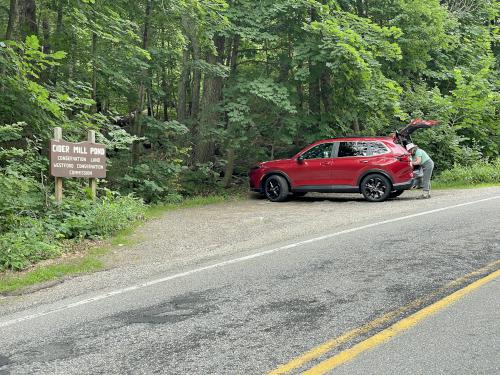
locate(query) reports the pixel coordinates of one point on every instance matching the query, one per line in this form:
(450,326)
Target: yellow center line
(397,328)
(378,322)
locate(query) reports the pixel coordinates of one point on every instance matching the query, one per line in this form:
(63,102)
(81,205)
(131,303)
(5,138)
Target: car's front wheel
(276,188)
(376,188)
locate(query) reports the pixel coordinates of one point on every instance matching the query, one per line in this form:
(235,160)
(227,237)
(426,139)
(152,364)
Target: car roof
(356,139)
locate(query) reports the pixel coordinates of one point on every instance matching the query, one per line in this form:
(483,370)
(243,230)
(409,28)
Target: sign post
(92,181)
(59,180)
(76,160)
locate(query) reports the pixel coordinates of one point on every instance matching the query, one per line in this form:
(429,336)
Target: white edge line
(231,261)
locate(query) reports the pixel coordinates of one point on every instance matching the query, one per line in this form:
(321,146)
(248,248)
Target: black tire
(276,188)
(396,193)
(376,187)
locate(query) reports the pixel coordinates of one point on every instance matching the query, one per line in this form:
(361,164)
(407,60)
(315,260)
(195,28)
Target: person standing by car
(421,158)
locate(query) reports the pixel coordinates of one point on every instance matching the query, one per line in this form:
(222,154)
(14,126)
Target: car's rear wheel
(276,188)
(376,188)
(396,193)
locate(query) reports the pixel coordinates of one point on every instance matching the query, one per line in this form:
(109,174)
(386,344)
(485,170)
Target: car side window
(363,148)
(347,149)
(378,148)
(322,151)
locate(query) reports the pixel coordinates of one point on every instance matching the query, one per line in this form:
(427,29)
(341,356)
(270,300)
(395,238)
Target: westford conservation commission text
(84,159)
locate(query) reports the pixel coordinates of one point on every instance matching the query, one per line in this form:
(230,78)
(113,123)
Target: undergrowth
(27,240)
(475,174)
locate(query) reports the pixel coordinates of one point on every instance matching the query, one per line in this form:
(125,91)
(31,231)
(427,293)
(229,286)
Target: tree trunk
(195,91)
(326,90)
(355,126)
(46,35)
(46,48)
(59,21)
(234,55)
(190,31)
(360,8)
(13,20)
(231,152)
(149,92)
(212,94)
(137,128)
(228,170)
(314,81)
(145,42)
(164,81)
(58,37)
(72,59)
(30,23)
(285,63)
(182,88)
(314,90)
(94,72)
(164,87)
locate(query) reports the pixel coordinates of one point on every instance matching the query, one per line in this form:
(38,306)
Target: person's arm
(417,161)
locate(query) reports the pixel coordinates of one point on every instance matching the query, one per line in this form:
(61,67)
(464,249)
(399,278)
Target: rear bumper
(404,185)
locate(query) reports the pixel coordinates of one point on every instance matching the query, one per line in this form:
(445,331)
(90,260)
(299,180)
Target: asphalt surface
(462,339)
(248,316)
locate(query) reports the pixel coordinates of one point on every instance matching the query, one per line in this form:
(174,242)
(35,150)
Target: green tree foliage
(176,88)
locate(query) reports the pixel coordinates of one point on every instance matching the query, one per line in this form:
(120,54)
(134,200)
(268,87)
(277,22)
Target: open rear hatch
(403,136)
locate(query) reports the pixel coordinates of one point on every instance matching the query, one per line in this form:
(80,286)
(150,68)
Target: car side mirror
(300,159)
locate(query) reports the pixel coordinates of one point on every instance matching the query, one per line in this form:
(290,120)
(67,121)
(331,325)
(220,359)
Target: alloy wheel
(375,188)
(273,189)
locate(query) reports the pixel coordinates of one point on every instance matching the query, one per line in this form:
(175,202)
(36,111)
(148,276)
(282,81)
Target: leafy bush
(77,218)
(35,239)
(478,173)
(27,244)
(20,197)
(202,179)
(115,214)
(152,180)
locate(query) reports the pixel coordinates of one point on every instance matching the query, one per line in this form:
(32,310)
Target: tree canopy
(187,94)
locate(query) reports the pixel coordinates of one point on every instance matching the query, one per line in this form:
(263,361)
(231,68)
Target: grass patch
(456,185)
(11,282)
(480,174)
(472,175)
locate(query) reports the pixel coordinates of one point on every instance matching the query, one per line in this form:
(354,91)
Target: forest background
(188,94)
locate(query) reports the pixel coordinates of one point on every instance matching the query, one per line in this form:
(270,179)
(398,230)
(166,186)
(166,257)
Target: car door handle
(326,163)
(364,161)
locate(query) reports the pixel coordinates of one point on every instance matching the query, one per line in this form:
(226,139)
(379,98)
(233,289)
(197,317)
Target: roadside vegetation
(85,253)
(43,233)
(187,95)
(477,174)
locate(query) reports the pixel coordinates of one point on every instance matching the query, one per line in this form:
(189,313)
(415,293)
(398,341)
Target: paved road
(249,315)
(462,339)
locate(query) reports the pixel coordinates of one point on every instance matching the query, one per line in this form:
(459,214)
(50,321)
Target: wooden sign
(78,160)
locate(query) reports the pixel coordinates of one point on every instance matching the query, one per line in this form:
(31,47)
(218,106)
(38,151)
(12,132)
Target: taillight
(403,158)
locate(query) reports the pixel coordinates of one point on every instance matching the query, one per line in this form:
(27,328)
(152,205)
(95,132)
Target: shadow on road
(333,198)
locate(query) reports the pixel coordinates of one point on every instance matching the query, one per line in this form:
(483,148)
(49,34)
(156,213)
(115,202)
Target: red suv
(377,167)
